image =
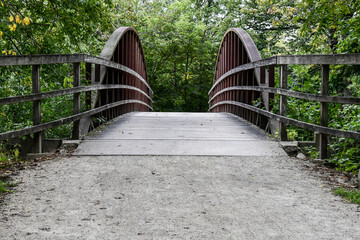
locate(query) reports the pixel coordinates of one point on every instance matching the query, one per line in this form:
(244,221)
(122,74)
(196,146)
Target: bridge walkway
(165,133)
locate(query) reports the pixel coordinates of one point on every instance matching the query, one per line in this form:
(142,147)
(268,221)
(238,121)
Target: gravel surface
(175,197)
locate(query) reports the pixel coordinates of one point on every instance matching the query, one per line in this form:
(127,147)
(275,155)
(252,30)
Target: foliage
(47,27)
(181,39)
(4,186)
(351,195)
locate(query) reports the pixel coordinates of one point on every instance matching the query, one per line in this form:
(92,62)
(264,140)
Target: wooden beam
(244,67)
(324,118)
(308,126)
(57,93)
(67,58)
(326,59)
(63,121)
(23,60)
(283,102)
(289,93)
(37,148)
(76,101)
(88,72)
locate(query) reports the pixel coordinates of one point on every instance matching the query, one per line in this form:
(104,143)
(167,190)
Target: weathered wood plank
(76,101)
(289,93)
(66,58)
(324,118)
(308,126)
(244,67)
(37,148)
(58,93)
(283,101)
(23,60)
(56,123)
(336,59)
(88,71)
(107,63)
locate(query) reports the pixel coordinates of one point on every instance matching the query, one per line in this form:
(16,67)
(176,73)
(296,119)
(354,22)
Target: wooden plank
(308,126)
(57,93)
(67,58)
(244,67)
(76,101)
(336,59)
(289,93)
(37,148)
(271,84)
(40,59)
(283,101)
(88,71)
(324,115)
(63,121)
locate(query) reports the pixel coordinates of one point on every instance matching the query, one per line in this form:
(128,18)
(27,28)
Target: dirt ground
(178,197)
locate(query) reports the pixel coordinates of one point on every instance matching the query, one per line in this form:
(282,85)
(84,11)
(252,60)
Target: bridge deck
(176,197)
(152,133)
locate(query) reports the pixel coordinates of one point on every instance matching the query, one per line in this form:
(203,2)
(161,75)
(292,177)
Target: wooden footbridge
(115,83)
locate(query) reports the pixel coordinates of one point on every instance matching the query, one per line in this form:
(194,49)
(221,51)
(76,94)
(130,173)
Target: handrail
(62,121)
(301,124)
(28,60)
(234,88)
(118,78)
(58,93)
(290,93)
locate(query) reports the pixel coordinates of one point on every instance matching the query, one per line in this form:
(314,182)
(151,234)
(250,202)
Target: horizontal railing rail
(30,60)
(219,93)
(63,121)
(76,59)
(63,92)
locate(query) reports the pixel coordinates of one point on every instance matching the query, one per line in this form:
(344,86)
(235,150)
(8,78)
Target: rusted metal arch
(238,50)
(111,46)
(248,44)
(123,48)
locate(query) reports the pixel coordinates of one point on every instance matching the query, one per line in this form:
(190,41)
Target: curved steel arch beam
(110,48)
(252,53)
(123,48)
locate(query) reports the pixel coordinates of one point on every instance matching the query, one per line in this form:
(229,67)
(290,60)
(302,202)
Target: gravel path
(175,197)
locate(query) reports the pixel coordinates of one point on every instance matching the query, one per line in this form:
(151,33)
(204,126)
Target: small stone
(63,152)
(291,148)
(301,156)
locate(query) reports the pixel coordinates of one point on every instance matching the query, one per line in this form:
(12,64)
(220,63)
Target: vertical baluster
(324,118)
(283,101)
(37,148)
(76,131)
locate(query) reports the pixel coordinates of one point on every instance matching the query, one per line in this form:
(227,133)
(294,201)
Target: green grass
(5,185)
(350,195)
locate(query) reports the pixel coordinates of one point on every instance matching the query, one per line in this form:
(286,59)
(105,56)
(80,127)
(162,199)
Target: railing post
(88,70)
(37,148)
(76,83)
(271,84)
(283,101)
(324,110)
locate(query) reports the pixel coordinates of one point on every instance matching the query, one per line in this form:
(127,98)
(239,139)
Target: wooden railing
(238,84)
(117,80)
